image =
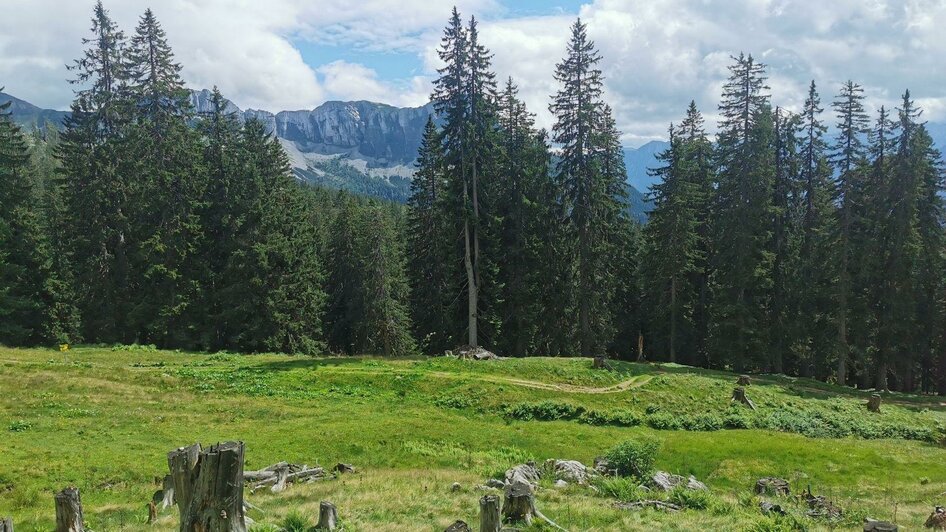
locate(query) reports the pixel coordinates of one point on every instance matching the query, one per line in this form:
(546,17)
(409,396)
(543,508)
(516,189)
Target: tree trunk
(212,500)
(328,516)
(519,503)
(882,376)
(6,524)
(739,395)
(457,526)
(873,404)
(69,511)
(489,514)
(472,293)
(182,464)
(673,319)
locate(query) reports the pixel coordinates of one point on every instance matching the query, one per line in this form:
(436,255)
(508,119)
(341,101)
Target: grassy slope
(103,420)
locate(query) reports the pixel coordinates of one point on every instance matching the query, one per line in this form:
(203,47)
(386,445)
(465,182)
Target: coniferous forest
(807,242)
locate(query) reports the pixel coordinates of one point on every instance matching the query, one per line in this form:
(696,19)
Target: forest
(808,243)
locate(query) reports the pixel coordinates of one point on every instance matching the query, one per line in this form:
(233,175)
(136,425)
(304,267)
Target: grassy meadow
(103,419)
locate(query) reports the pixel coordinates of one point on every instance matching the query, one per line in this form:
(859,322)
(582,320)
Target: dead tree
(328,516)
(739,396)
(873,404)
(6,524)
(489,514)
(69,511)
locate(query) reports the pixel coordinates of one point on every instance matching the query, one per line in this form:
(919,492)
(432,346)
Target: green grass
(103,419)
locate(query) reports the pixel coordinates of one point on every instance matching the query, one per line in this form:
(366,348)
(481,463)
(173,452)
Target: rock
(603,466)
(569,470)
(527,473)
(772,486)
(937,519)
(873,525)
(820,506)
(769,508)
(455,487)
(458,526)
(667,481)
(561,483)
(495,483)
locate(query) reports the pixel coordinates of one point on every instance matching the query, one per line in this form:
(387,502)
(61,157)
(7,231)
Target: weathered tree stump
(182,464)
(69,511)
(458,526)
(282,474)
(6,524)
(937,519)
(519,502)
(600,363)
(341,468)
(152,512)
(773,486)
(739,396)
(873,525)
(212,500)
(744,380)
(873,404)
(167,492)
(489,514)
(328,516)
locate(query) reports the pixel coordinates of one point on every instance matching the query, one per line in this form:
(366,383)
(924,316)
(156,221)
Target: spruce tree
(743,258)
(154,86)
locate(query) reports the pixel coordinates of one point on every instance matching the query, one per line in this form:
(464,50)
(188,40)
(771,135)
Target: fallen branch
(315,472)
(640,505)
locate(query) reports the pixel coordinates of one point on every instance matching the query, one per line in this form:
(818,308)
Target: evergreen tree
(743,258)
(588,171)
(154,87)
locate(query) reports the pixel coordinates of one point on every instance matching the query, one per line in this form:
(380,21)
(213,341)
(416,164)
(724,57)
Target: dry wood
(744,380)
(328,516)
(601,363)
(69,511)
(167,492)
(459,526)
(640,505)
(314,473)
(216,491)
(182,463)
(6,524)
(489,514)
(152,512)
(281,475)
(772,485)
(739,396)
(873,525)
(343,468)
(937,519)
(873,404)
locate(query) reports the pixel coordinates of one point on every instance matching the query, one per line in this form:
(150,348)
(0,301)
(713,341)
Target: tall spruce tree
(743,258)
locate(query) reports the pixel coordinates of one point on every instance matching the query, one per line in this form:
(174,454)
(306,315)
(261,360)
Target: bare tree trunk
(69,511)
(216,503)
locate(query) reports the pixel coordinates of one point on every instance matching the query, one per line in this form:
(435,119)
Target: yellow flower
(63,347)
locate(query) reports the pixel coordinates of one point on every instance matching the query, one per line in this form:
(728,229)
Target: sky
(657,54)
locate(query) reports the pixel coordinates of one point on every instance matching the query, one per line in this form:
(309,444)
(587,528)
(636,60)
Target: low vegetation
(103,419)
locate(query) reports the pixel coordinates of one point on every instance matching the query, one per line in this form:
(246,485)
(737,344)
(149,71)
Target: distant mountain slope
(28,115)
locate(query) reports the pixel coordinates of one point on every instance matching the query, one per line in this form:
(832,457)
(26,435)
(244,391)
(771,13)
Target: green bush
(634,458)
(663,421)
(703,422)
(687,498)
(295,522)
(620,488)
(620,418)
(20,426)
(543,411)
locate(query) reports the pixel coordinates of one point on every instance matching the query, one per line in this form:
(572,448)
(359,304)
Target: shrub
(634,457)
(621,418)
(703,422)
(687,498)
(662,421)
(20,426)
(620,488)
(295,522)
(543,411)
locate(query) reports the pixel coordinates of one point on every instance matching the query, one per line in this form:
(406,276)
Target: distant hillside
(28,115)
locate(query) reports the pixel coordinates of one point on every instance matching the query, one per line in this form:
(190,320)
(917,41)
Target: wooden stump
(282,473)
(519,503)
(216,491)
(739,396)
(6,524)
(152,512)
(744,380)
(600,363)
(458,526)
(328,516)
(182,464)
(167,492)
(489,514)
(69,511)
(937,519)
(873,404)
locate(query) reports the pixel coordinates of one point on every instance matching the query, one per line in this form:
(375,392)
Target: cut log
(937,519)
(873,525)
(640,505)
(216,494)
(489,514)
(772,486)
(328,516)
(281,475)
(6,524)
(519,502)
(69,511)
(739,396)
(343,468)
(182,464)
(873,404)
(459,526)
(744,380)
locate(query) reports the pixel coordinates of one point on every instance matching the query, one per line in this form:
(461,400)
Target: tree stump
(182,464)
(739,395)
(282,473)
(6,524)
(167,492)
(744,380)
(600,363)
(341,468)
(873,404)
(458,526)
(937,519)
(519,503)
(69,511)
(773,486)
(328,516)
(489,514)
(216,491)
